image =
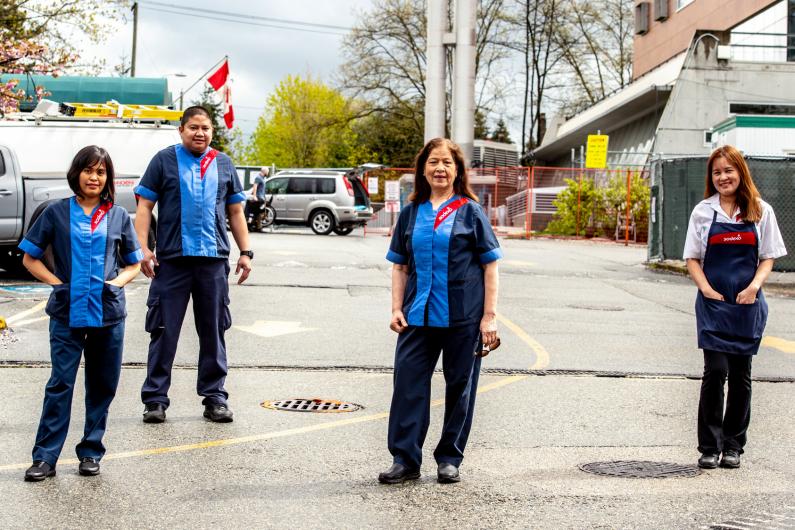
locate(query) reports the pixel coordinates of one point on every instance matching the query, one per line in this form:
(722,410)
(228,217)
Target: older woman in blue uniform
(88,236)
(444,300)
(732,241)
(196,187)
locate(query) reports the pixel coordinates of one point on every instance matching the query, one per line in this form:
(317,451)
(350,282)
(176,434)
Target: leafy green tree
(306,124)
(481,126)
(221,135)
(389,137)
(575,213)
(614,198)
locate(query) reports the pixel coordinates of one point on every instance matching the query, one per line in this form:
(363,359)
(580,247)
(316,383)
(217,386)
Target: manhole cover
(640,469)
(311,405)
(590,307)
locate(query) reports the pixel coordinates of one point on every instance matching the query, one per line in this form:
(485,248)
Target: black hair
(422,190)
(194,111)
(90,156)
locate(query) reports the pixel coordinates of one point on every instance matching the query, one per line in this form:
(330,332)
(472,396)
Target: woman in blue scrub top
(96,253)
(732,241)
(444,300)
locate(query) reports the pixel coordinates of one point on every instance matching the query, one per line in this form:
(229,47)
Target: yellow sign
(596,153)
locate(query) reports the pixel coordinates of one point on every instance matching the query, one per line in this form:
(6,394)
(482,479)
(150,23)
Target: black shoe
(708,461)
(218,412)
(39,471)
(447,473)
(88,467)
(154,413)
(731,459)
(398,473)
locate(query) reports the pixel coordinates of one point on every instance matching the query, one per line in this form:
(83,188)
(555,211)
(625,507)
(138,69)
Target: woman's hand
(114,282)
(488,328)
(712,294)
(748,295)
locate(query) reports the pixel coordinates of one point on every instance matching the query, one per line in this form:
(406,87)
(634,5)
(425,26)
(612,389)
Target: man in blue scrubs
(196,187)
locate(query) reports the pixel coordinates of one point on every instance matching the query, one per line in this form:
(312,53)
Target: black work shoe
(708,461)
(447,473)
(398,473)
(218,412)
(731,459)
(39,471)
(88,467)
(154,413)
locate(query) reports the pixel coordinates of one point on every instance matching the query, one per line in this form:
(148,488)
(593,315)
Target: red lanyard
(207,160)
(445,212)
(99,214)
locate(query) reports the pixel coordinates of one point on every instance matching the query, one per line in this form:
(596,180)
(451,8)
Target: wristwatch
(249,253)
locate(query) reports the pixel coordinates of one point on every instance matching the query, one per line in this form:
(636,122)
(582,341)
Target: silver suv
(325,201)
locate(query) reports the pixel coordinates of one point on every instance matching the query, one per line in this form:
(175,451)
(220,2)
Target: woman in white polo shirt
(732,241)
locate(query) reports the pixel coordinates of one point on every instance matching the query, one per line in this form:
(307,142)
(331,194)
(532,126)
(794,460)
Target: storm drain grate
(311,405)
(640,469)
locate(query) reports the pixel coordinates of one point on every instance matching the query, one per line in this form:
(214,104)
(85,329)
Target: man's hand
(244,265)
(398,323)
(149,263)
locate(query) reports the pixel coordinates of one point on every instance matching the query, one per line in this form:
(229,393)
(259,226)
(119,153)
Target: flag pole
(213,67)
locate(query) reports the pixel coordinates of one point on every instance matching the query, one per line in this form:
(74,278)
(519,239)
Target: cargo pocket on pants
(154,315)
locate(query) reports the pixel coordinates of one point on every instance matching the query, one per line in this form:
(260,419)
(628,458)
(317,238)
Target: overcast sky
(259,57)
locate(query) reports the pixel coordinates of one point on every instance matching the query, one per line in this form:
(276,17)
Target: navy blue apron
(730,264)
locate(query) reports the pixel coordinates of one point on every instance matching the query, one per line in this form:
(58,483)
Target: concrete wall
(670,37)
(700,98)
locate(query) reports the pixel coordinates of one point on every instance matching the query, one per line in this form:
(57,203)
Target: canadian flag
(219,81)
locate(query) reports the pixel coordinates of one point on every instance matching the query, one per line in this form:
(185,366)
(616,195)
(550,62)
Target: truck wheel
(321,222)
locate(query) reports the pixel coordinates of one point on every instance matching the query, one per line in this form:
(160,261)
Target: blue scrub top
(84,260)
(192,207)
(445,286)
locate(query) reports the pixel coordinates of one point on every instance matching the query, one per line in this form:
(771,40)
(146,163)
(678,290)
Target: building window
(642,18)
(767,109)
(707,138)
(682,3)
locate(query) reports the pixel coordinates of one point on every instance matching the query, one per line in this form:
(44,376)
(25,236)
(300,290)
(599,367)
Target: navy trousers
(416,355)
(176,280)
(718,431)
(103,352)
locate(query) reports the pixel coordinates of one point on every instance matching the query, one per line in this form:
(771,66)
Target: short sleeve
(235,192)
(771,243)
(398,253)
(693,243)
(488,247)
(130,249)
(151,183)
(40,235)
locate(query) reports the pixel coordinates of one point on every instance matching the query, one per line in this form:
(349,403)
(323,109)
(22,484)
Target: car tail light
(348,185)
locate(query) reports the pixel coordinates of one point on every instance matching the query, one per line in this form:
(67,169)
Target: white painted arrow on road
(272,328)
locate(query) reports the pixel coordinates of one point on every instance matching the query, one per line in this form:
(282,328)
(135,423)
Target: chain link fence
(677,185)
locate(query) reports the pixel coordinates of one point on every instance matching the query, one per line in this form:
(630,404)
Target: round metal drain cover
(640,469)
(311,405)
(591,307)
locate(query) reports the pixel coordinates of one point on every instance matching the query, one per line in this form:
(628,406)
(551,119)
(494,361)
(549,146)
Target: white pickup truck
(35,155)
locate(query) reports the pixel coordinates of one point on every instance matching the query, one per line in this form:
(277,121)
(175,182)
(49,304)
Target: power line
(217,19)
(246,17)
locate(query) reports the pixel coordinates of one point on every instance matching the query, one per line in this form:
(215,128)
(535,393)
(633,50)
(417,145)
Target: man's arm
(237,223)
(143,220)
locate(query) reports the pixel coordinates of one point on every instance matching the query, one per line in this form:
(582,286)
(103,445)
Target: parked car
(324,200)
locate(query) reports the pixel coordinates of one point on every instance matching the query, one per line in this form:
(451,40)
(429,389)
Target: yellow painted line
(542,355)
(31,321)
(19,316)
(787,346)
(265,436)
(542,359)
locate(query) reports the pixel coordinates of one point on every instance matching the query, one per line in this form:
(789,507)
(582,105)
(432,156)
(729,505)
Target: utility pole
(135,38)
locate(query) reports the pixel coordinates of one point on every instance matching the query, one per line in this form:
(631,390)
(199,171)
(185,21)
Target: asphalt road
(616,342)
